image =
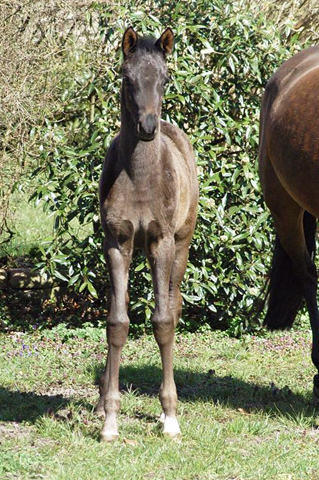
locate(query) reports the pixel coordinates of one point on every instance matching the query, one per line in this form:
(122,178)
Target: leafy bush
(223,57)
(35,39)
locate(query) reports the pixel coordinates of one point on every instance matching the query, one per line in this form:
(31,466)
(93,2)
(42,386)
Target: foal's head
(144,79)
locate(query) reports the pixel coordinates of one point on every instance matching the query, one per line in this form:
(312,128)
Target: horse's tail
(285,290)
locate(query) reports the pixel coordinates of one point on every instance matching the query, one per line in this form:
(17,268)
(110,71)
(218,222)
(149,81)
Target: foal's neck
(140,158)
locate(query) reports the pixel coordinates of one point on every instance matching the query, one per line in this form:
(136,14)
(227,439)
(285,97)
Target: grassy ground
(30,224)
(245,409)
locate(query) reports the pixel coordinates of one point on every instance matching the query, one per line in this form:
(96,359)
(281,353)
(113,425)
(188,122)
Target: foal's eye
(126,80)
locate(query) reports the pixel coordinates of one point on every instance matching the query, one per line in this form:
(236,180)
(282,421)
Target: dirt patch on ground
(15,429)
(73,393)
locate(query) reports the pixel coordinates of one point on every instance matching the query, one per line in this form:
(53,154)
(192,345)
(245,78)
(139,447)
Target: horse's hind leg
(296,231)
(161,257)
(306,272)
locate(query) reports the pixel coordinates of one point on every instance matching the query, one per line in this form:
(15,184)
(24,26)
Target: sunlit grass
(32,226)
(245,409)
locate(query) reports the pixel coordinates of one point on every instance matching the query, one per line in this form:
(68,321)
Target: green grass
(30,224)
(245,408)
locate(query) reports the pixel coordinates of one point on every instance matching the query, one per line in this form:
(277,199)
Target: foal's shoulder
(178,137)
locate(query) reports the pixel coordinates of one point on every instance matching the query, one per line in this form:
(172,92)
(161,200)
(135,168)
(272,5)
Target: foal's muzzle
(147,127)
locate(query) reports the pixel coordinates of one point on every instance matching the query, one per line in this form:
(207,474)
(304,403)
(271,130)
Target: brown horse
(148,198)
(289,173)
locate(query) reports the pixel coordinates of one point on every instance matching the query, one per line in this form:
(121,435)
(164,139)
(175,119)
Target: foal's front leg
(161,256)
(118,259)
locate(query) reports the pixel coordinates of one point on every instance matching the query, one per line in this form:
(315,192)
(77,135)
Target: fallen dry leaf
(241,410)
(127,441)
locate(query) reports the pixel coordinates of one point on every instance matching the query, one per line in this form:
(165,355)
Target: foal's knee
(163,326)
(117,329)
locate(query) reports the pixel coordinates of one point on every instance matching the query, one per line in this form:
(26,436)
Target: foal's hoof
(108,437)
(171,428)
(316,389)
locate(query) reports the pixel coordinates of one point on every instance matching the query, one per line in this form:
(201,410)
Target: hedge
(223,56)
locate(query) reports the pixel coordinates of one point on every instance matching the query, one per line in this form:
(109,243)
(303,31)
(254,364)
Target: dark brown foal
(289,173)
(148,198)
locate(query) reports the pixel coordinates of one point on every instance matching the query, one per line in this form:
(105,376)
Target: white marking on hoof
(171,427)
(109,437)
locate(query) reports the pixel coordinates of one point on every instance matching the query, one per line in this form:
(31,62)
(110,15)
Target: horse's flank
(290,129)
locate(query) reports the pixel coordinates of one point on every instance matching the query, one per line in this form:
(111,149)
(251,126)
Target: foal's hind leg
(161,257)
(118,259)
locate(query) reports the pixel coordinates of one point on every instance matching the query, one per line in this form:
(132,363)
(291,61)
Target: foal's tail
(285,290)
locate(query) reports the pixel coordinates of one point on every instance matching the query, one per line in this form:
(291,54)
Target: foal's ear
(129,40)
(166,41)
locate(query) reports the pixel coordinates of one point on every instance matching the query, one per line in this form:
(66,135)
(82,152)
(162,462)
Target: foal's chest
(140,209)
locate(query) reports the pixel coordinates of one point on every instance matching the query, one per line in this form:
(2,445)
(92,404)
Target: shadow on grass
(16,406)
(192,386)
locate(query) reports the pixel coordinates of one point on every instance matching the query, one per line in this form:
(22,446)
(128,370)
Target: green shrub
(223,57)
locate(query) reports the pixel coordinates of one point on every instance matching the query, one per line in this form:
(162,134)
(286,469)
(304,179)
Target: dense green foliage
(223,57)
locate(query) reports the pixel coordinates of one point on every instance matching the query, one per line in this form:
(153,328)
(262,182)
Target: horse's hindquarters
(291,136)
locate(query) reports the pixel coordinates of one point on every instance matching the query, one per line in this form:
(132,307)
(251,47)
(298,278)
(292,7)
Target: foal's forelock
(145,73)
